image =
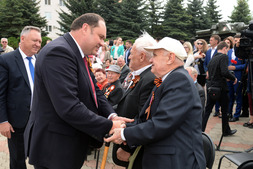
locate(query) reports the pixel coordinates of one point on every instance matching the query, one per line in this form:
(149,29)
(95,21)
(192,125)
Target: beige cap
(171,45)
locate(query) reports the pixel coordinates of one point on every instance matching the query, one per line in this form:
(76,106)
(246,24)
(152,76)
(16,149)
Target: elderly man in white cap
(169,125)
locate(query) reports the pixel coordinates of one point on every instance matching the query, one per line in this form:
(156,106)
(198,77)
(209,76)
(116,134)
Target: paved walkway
(241,141)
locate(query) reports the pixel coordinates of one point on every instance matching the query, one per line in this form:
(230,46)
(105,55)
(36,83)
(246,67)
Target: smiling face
(93,38)
(112,76)
(100,77)
(160,61)
(30,42)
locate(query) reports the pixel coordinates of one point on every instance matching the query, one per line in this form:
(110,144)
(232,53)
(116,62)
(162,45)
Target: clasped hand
(116,136)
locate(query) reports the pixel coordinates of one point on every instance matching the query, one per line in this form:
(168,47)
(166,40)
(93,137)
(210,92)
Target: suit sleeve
(3,90)
(170,114)
(60,75)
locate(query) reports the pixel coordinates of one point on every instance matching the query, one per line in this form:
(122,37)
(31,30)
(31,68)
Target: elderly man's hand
(116,137)
(126,120)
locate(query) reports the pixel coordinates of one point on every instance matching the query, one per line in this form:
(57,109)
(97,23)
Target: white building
(49,9)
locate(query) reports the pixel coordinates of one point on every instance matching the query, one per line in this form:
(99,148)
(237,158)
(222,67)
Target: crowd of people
(152,96)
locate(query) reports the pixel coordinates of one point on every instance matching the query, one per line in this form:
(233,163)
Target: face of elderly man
(160,62)
(112,76)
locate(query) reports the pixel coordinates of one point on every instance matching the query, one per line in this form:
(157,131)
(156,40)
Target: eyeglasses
(200,43)
(185,47)
(4,42)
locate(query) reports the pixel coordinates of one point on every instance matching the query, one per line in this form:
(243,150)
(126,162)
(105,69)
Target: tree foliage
(131,19)
(241,12)
(16,14)
(108,10)
(155,15)
(176,21)
(198,20)
(75,9)
(212,13)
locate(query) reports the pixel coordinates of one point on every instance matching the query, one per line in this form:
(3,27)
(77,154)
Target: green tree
(155,13)
(75,9)
(212,13)
(176,21)
(108,10)
(241,12)
(198,20)
(15,14)
(131,19)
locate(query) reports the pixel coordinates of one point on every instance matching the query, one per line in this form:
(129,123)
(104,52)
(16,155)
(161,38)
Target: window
(48,15)
(49,28)
(61,3)
(47,2)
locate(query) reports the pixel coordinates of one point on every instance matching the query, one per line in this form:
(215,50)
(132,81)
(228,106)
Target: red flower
(233,61)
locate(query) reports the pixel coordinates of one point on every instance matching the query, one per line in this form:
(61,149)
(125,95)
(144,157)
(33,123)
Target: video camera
(245,49)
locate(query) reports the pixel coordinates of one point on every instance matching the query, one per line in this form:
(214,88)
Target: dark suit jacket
(171,136)
(201,93)
(124,71)
(64,115)
(15,91)
(132,102)
(115,95)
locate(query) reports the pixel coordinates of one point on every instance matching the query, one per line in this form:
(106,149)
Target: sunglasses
(4,42)
(200,43)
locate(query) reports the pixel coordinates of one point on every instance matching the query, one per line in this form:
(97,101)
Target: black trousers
(224,102)
(16,149)
(39,167)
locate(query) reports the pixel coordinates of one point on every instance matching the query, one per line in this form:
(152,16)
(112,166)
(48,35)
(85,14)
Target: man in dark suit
(168,128)
(69,112)
(124,68)
(137,93)
(128,51)
(194,75)
(218,74)
(16,89)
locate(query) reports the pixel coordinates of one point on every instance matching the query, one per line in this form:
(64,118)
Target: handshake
(119,123)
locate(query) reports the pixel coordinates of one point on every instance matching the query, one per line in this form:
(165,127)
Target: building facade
(49,9)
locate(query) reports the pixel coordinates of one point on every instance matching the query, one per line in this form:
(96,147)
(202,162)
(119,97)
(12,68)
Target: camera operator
(244,50)
(236,65)
(217,74)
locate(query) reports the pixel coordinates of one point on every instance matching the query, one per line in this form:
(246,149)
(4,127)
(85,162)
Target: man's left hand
(116,137)
(126,120)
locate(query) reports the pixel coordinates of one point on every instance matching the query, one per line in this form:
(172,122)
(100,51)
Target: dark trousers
(39,167)
(224,100)
(16,149)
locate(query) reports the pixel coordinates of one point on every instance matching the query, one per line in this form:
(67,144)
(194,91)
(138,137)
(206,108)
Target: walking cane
(105,153)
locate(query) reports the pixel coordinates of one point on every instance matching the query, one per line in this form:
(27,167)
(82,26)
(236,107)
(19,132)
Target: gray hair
(4,39)
(193,70)
(143,41)
(27,30)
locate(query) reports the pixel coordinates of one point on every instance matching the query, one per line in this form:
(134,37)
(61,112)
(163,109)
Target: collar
(24,55)
(138,72)
(214,48)
(80,50)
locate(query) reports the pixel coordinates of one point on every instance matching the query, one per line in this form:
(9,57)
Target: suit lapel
(77,53)
(21,66)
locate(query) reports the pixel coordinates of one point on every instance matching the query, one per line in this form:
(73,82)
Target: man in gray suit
(194,74)
(168,129)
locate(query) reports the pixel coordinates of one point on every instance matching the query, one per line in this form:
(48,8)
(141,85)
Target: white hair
(143,41)
(4,39)
(27,29)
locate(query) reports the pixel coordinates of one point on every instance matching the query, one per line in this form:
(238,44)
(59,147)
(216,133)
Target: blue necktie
(31,67)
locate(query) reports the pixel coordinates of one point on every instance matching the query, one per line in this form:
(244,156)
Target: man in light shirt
(16,90)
